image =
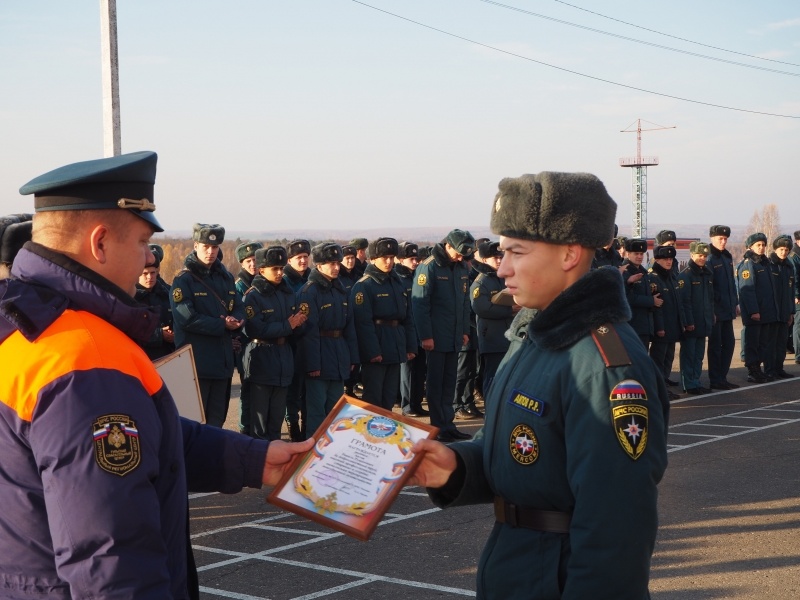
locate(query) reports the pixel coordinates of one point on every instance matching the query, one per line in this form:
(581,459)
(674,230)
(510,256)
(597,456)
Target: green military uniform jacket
(565,432)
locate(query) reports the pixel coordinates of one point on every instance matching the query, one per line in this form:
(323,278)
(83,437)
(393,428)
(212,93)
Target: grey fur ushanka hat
(558,208)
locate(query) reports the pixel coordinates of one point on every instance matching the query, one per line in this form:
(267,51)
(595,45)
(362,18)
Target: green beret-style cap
(125,181)
(212,235)
(359,243)
(462,242)
(558,208)
(247,250)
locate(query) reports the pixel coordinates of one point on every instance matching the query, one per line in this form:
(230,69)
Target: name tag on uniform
(525,402)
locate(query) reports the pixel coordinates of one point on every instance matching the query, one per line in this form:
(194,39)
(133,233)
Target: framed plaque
(358,465)
(180,376)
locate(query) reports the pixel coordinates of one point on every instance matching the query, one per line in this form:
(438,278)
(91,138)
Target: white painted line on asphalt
(227,594)
(792,406)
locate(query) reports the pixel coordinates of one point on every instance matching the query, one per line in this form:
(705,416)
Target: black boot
(755,375)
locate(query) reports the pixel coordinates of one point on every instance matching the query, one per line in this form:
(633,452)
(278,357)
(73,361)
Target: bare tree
(767,221)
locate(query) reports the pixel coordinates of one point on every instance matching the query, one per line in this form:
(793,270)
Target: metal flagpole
(112,139)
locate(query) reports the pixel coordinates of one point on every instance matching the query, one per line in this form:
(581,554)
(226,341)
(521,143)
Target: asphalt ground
(729,512)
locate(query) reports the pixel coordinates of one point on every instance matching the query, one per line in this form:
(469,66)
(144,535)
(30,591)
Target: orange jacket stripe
(76,341)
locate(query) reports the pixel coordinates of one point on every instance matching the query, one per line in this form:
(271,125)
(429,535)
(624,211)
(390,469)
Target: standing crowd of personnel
(303,325)
(570,340)
(697,305)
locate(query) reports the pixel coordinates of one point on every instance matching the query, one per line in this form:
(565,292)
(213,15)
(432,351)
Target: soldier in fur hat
(245,254)
(153,291)
(272,318)
(207,313)
(327,350)
(721,342)
(784,283)
(577,411)
(384,327)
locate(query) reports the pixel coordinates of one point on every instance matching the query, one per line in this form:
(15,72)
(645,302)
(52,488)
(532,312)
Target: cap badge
(143,204)
(212,237)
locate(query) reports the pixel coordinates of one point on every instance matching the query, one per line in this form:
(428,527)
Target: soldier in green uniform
(574,443)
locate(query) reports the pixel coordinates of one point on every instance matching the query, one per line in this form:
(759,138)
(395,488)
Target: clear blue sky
(272,115)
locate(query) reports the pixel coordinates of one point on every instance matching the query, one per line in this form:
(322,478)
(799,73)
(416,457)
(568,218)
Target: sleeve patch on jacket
(422,279)
(630,425)
(177,295)
(116,444)
(523,445)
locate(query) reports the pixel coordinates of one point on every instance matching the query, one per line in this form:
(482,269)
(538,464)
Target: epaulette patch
(610,346)
(630,416)
(116,444)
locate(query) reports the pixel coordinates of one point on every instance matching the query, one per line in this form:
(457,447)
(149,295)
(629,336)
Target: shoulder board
(363,278)
(428,260)
(479,277)
(610,346)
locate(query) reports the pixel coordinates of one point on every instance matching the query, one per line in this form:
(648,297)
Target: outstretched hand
(279,455)
(438,463)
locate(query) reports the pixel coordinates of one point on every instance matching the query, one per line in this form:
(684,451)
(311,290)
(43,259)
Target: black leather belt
(531,518)
(276,341)
(334,333)
(389,322)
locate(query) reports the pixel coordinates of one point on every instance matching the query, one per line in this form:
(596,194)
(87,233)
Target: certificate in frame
(358,465)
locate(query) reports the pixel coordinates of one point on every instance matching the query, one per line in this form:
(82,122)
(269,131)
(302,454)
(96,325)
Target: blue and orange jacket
(96,463)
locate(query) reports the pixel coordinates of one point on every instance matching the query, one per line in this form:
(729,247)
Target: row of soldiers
(303,324)
(701,302)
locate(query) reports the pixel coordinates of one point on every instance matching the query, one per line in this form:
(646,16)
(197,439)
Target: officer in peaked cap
(208,313)
(384,327)
(360,244)
(722,340)
(327,349)
(440,301)
(246,255)
(96,417)
(95,185)
(412,372)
